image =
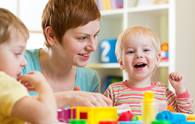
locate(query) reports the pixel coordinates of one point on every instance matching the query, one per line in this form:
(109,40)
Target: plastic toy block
(96,114)
(172,117)
(125,116)
(135,118)
(170,108)
(108,122)
(190,117)
(75,121)
(148,111)
(130,122)
(64,114)
(188,122)
(160,122)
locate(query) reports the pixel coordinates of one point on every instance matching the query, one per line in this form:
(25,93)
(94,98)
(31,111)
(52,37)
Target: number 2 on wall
(106,48)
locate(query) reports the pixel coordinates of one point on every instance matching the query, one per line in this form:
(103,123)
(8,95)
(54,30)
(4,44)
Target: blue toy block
(174,118)
(108,51)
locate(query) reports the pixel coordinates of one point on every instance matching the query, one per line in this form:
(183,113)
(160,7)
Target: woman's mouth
(84,56)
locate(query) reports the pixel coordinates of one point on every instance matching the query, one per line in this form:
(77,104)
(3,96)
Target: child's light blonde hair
(9,23)
(132,31)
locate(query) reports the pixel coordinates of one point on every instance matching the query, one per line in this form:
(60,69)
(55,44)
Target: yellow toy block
(96,114)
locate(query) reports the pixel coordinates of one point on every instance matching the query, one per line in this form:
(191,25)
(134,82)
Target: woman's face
(78,44)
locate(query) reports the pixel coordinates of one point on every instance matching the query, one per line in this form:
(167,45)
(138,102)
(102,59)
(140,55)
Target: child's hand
(35,78)
(177,81)
(27,85)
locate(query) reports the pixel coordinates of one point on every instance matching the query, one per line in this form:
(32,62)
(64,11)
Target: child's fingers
(23,77)
(176,76)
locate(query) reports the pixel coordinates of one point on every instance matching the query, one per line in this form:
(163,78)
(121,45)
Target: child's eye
(146,50)
(17,54)
(131,52)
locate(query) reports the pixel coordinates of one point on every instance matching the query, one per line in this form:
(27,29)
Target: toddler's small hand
(27,85)
(35,79)
(177,80)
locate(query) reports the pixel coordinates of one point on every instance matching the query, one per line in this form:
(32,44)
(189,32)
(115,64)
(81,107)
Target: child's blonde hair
(9,23)
(132,31)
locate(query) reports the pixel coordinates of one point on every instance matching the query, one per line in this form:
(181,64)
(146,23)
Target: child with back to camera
(16,106)
(138,53)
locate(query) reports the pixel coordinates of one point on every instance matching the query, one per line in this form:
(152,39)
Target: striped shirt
(122,93)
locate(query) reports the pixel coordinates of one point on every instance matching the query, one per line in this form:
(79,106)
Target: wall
(185,42)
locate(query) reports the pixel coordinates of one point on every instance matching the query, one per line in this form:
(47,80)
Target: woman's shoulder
(31,52)
(85,73)
(32,58)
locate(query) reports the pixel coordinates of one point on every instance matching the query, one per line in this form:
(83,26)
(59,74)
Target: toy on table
(64,114)
(93,115)
(174,118)
(108,122)
(148,112)
(160,122)
(170,108)
(80,121)
(127,116)
(189,117)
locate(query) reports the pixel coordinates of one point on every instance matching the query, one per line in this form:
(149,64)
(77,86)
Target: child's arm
(181,101)
(40,110)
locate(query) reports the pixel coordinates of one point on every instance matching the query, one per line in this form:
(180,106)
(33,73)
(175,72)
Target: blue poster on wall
(108,50)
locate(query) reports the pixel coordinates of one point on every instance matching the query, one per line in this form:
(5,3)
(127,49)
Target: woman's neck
(54,66)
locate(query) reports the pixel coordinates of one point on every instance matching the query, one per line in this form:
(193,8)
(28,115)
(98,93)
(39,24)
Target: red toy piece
(125,116)
(108,122)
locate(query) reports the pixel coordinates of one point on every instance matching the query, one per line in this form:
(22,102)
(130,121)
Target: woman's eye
(96,35)
(82,38)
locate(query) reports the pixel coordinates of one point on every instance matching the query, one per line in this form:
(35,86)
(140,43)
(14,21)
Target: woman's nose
(92,46)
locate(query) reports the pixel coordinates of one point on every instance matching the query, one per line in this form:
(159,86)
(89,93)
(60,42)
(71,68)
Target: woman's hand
(81,98)
(177,81)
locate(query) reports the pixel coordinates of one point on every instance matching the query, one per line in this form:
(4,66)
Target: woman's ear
(50,35)
(158,58)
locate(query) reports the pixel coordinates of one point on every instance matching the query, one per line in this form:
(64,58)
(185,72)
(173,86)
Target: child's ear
(50,35)
(158,57)
(121,64)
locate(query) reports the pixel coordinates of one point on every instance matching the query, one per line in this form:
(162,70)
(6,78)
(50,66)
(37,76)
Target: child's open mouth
(140,65)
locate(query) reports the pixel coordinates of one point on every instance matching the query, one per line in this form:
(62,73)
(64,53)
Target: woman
(70,28)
